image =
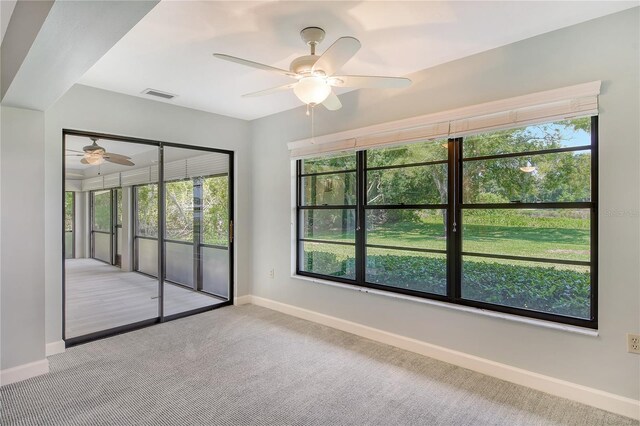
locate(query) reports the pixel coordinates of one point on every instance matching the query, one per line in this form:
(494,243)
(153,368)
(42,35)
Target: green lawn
(570,242)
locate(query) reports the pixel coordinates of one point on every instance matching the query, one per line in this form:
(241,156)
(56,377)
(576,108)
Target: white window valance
(552,105)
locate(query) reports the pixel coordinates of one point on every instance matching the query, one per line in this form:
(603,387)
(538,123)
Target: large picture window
(504,220)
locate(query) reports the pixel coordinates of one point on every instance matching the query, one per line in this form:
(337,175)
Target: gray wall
(86,108)
(604,49)
(22,201)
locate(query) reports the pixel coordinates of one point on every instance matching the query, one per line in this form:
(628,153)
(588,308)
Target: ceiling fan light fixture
(94,160)
(312,90)
(528,168)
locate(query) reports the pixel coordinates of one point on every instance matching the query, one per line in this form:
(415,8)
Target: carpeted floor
(252,366)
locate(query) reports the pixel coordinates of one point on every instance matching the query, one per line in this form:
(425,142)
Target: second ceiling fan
(316,74)
(95,155)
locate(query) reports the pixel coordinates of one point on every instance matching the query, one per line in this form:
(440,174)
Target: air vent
(158,93)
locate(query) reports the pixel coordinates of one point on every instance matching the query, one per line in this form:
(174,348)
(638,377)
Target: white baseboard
(23,372)
(55,348)
(242,300)
(596,398)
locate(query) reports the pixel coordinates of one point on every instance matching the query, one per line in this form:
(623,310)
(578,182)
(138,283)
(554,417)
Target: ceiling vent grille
(158,93)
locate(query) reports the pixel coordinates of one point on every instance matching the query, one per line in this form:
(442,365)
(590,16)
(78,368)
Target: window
(179,210)
(405,216)
(215,211)
(327,216)
(69,225)
(101,211)
(502,221)
(146,197)
(118,240)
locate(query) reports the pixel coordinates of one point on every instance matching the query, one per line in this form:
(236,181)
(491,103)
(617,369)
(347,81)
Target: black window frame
(454,208)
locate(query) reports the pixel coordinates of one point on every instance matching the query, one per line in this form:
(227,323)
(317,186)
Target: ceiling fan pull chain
(313,122)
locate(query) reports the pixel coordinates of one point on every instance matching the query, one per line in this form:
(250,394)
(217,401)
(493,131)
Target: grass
(549,238)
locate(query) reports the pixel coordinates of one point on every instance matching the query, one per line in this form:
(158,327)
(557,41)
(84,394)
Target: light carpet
(252,366)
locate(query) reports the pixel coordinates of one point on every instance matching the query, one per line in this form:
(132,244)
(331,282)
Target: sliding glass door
(159,233)
(197,223)
(103,293)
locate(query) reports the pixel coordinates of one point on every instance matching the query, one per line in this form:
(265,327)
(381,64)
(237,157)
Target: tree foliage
(179,210)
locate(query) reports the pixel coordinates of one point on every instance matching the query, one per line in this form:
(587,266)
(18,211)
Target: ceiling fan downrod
(312,36)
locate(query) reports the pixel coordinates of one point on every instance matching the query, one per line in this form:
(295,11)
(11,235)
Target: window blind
(175,170)
(207,165)
(135,177)
(559,104)
(111,181)
(93,183)
(202,165)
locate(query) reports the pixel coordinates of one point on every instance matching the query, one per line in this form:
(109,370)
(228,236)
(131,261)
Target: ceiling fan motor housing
(312,36)
(94,148)
(303,64)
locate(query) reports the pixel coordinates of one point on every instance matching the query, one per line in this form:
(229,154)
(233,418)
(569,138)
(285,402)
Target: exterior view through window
(503,220)
(69,224)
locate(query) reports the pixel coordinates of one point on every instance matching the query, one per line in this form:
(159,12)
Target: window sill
(478,311)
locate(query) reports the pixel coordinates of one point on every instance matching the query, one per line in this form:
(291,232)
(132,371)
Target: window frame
(454,248)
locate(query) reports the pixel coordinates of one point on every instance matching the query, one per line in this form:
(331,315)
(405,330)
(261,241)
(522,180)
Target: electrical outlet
(272,273)
(633,343)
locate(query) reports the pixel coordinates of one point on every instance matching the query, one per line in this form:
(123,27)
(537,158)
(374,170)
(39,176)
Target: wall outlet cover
(633,343)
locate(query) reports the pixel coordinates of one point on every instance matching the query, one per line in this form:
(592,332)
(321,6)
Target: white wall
(86,108)
(604,49)
(22,292)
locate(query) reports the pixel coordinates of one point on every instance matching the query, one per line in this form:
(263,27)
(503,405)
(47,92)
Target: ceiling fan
(316,74)
(94,155)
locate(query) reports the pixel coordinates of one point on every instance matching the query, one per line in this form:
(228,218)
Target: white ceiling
(171,48)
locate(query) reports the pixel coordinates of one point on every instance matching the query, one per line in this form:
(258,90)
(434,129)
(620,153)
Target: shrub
(326,263)
(545,289)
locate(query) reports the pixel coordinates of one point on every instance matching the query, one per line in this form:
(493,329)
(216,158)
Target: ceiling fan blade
(118,160)
(337,55)
(113,155)
(74,150)
(74,155)
(252,64)
(332,103)
(269,91)
(372,81)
